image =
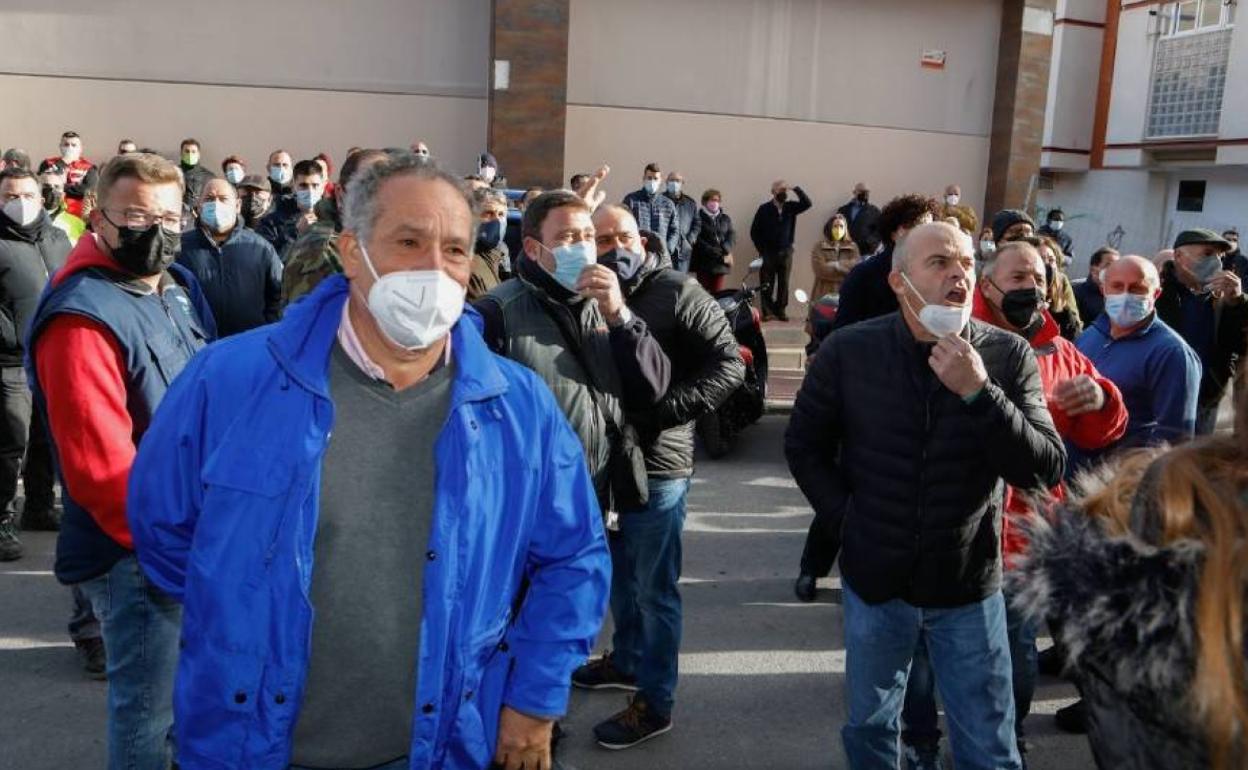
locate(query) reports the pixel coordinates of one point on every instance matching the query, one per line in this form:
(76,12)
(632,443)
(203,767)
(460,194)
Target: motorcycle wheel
(711,431)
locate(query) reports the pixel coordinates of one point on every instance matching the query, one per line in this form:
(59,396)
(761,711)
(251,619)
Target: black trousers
(821,549)
(25,451)
(774,280)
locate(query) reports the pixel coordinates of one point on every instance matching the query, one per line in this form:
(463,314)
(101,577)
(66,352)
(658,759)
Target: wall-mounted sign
(933,59)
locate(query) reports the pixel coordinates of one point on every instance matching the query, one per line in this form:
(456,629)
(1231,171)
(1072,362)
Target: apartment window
(1191,195)
(1189,78)
(1196,16)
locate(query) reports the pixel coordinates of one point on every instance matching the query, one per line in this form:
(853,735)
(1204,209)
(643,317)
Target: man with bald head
(239,271)
(1088,412)
(1157,372)
(901,436)
(862,214)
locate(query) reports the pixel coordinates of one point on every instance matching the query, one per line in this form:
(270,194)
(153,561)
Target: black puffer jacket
(1124,609)
(1220,361)
(706,367)
(28,256)
(908,473)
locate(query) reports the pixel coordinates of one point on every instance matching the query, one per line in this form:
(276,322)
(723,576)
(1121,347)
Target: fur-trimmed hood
(1125,608)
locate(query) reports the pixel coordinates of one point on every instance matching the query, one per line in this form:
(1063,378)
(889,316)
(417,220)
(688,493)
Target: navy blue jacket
(280,226)
(242,278)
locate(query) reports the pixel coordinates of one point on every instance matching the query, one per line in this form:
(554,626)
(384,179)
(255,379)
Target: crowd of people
(282,407)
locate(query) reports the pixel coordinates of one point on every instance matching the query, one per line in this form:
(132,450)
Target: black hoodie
(28,257)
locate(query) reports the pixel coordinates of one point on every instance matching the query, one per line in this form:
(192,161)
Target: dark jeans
(969,652)
(141,628)
(821,549)
(645,600)
(25,451)
(774,279)
(922,729)
(1206,419)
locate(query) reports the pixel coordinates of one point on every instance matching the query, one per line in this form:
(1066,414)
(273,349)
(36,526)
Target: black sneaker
(804,587)
(632,726)
(1050,662)
(10,544)
(1073,718)
(43,520)
(91,651)
(601,674)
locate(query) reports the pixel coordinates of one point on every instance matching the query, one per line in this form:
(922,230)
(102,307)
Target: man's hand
(602,284)
(1078,395)
(523,742)
(958,366)
(1226,285)
(590,190)
(305,220)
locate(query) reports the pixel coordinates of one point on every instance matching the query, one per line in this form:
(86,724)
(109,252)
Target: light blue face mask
(1206,269)
(307,198)
(571,261)
(650,185)
(1128,309)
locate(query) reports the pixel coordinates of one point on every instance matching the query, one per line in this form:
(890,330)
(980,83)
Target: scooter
(718,429)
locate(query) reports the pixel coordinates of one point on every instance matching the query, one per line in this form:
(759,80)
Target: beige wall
(742,156)
(249,122)
(735,93)
(839,61)
(245,77)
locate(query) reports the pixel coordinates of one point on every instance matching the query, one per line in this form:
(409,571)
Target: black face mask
(863,197)
(1048,275)
(52,198)
(1020,306)
(489,235)
(781,197)
(253,208)
(623,262)
(146,252)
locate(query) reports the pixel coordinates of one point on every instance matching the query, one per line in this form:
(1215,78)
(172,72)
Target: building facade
(1146,130)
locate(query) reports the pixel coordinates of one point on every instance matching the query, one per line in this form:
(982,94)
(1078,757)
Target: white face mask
(488,173)
(952,200)
(23,211)
(414,308)
(940,320)
(1056,225)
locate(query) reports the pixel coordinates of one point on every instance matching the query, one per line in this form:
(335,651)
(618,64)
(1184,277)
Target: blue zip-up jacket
(223,507)
(1158,374)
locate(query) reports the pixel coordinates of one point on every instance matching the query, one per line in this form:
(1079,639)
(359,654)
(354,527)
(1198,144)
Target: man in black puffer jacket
(901,437)
(645,552)
(31,249)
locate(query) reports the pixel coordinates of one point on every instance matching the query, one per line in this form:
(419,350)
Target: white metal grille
(1189,77)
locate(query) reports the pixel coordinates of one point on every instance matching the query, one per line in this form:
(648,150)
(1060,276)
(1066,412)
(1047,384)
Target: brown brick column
(527,120)
(1026,49)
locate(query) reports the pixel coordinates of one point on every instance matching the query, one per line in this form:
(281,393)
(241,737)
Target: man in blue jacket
(1157,372)
(238,270)
(413,592)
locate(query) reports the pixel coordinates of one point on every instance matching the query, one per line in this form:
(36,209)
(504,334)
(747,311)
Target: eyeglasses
(142,220)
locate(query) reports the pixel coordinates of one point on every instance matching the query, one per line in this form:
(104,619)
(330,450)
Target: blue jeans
(645,600)
(922,729)
(398,764)
(141,627)
(970,656)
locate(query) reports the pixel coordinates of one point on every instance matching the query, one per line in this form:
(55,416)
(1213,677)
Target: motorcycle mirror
(756,265)
(801,296)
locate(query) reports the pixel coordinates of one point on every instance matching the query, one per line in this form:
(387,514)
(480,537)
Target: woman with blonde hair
(1144,580)
(833,257)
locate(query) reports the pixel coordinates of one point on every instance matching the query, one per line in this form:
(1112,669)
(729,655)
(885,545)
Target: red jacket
(1058,360)
(82,374)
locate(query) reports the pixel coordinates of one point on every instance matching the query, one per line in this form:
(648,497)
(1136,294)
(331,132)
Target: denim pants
(970,657)
(645,600)
(141,627)
(919,717)
(398,764)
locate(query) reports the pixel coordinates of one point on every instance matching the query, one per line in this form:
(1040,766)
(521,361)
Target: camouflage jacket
(313,256)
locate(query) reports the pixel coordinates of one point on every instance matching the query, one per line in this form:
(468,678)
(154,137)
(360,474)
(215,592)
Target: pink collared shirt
(350,343)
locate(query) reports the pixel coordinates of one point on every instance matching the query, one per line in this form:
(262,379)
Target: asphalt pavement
(762,675)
